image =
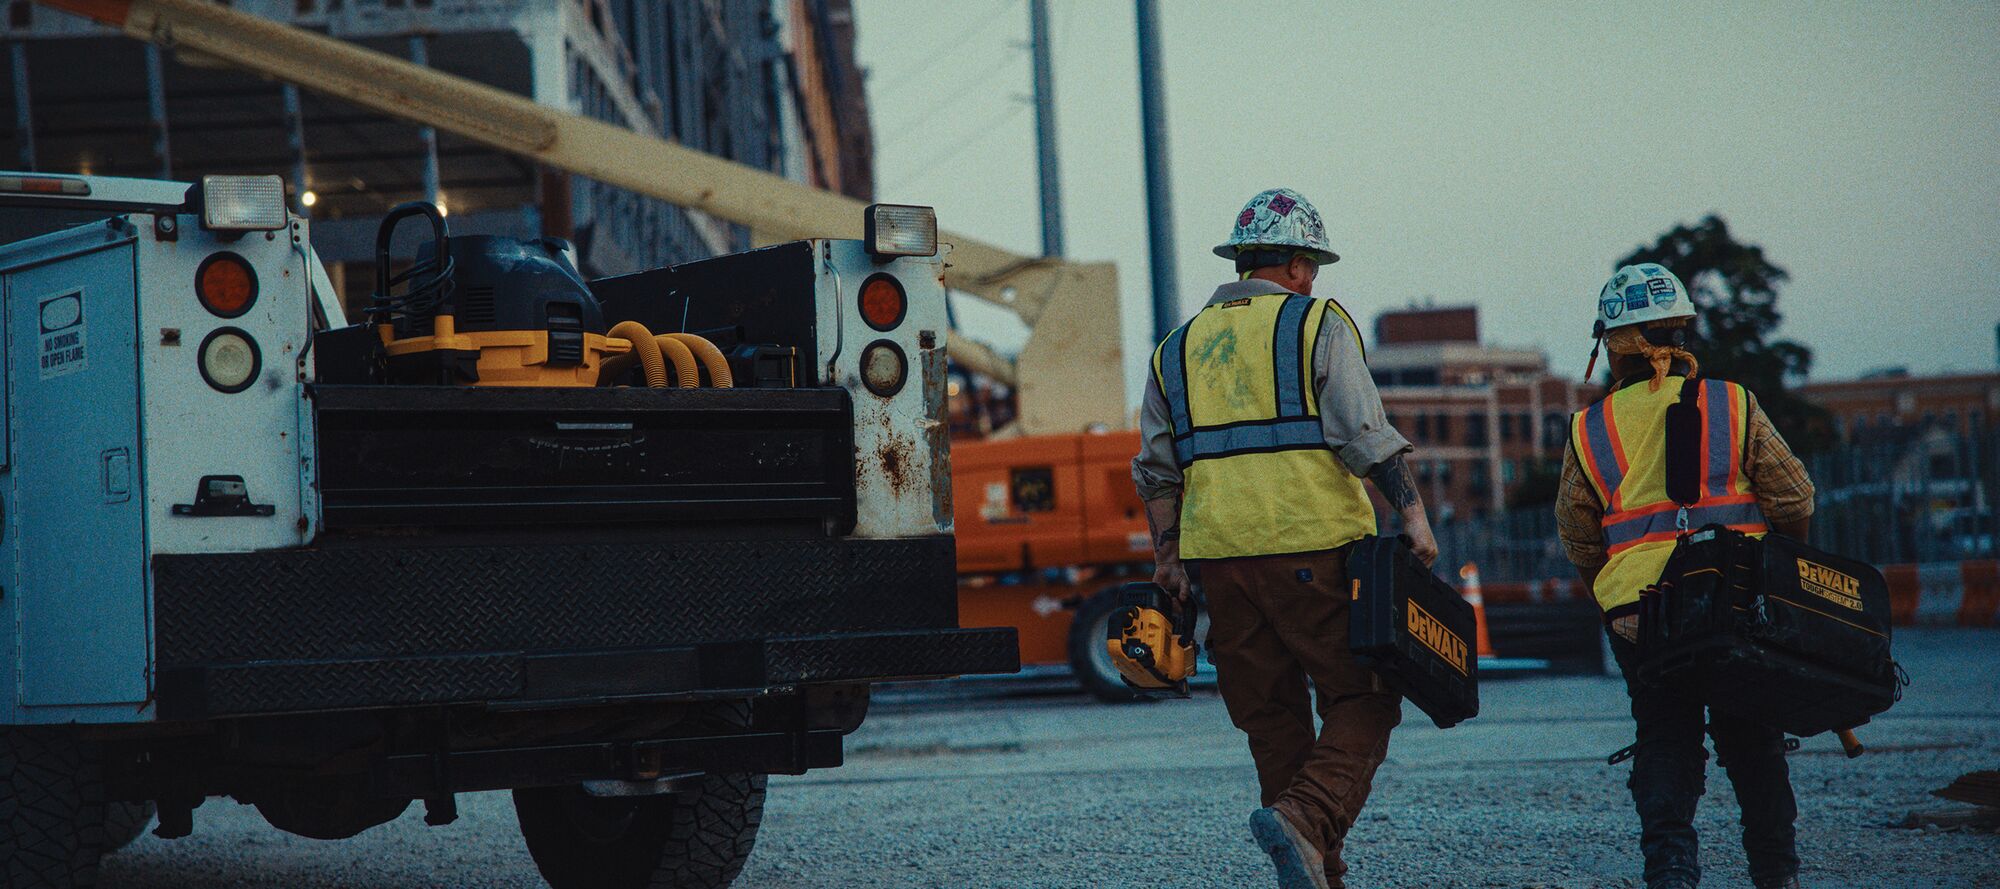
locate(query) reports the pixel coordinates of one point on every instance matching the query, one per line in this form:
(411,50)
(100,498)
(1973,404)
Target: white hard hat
(1637,294)
(1279,219)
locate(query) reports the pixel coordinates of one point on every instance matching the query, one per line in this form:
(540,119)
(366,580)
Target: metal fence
(1912,496)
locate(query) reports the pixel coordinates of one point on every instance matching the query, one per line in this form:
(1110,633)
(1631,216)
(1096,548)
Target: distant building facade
(1484,419)
(1889,403)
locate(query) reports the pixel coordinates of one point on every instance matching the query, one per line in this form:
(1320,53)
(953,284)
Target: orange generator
(1049,527)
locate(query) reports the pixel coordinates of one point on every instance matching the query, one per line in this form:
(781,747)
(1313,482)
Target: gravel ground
(975,786)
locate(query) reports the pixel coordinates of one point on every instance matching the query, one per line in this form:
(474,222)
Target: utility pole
(156,109)
(24,117)
(1045,129)
(420,53)
(1159,203)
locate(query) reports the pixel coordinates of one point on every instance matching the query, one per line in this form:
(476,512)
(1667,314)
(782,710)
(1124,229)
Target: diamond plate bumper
(554,624)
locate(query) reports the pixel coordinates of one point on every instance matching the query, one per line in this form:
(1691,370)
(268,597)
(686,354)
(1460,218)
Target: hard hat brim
(1229,251)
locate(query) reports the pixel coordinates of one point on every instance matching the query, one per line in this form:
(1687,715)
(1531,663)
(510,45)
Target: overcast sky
(1503,154)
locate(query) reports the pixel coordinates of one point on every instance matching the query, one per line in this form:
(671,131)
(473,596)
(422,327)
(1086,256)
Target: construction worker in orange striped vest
(1618,525)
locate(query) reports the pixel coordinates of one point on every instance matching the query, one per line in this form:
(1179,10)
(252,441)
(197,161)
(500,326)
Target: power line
(986,128)
(948,46)
(977,80)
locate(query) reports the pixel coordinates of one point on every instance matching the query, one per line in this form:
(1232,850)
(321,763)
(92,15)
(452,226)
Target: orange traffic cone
(1469,588)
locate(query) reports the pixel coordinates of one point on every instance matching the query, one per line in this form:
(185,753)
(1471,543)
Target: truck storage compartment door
(81,597)
(396,455)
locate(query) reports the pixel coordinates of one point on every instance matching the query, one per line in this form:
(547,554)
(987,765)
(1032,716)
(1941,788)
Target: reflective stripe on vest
(1658,522)
(1172,374)
(1293,426)
(1258,475)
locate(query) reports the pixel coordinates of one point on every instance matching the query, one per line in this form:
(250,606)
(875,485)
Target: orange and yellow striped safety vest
(1621,442)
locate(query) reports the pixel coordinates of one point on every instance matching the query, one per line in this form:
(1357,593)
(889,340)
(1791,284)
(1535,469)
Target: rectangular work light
(243,203)
(900,230)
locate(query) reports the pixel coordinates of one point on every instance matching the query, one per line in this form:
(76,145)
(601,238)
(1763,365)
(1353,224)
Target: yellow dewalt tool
(1151,639)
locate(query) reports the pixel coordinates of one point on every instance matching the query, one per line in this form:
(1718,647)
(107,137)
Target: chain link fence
(1923,495)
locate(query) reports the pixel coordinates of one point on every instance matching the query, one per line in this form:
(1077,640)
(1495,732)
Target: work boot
(1791,882)
(1300,866)
(1673,882)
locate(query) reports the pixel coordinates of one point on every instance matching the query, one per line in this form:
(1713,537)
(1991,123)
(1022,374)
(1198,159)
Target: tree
(1735,291)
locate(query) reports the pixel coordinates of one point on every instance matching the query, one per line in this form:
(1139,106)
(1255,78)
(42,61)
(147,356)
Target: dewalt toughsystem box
(1770,630)
(1413,630)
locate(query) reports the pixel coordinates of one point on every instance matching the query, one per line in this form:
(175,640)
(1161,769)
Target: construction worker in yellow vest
(1618,525)
(1258,426)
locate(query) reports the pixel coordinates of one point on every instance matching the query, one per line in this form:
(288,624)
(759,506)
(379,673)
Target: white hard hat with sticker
(1638,294)
(1279,219)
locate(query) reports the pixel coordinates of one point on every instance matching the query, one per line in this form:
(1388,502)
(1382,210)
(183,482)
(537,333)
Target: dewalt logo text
(1426,629)
(1840,589)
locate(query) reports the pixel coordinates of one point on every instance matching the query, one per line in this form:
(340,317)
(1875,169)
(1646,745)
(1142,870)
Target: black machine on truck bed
(477,542)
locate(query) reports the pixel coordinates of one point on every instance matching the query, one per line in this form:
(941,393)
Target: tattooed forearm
(1163,516)
(1392,478)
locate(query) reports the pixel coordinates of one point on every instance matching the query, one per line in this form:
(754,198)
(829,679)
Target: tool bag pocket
(1823,607)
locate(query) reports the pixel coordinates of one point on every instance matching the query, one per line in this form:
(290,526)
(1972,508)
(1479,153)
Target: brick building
(1881,403)
(1483,418)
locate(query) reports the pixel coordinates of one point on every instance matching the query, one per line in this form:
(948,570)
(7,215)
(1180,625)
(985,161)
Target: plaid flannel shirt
(1784,490)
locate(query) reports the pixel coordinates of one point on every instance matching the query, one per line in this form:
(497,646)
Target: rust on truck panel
(937,428)
(895,454)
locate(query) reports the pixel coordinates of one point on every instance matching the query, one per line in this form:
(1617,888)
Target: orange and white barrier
(1962,594)
(1931,594)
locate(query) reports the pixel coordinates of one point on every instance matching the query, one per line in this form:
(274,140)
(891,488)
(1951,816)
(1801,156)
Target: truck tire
(698,839)
(124,822)
(1088,658)
(51,811)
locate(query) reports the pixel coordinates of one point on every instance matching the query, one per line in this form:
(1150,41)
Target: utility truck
(621,546)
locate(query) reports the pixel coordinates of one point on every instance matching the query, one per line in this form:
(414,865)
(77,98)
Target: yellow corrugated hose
(685,367)
(711,358)
(643,346)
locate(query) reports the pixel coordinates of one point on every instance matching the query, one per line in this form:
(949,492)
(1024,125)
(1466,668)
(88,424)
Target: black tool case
(1770,630)
(1413,629)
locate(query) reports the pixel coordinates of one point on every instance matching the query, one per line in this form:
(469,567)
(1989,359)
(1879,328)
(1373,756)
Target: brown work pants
(1274,622)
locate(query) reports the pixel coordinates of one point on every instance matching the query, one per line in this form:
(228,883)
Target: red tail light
(226,285)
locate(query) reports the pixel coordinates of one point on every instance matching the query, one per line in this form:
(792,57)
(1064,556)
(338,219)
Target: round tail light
(226,285)
(883,303)
(883,368)
(229,360)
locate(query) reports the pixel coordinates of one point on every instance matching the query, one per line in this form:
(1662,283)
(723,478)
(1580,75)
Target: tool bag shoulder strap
(1684,445)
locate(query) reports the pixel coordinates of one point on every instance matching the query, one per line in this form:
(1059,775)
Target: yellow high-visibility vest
(1621,442)
(1257,475)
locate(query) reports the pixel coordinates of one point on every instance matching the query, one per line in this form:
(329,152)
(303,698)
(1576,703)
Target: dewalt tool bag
(1772,631)
(1412,629)
(1769,630)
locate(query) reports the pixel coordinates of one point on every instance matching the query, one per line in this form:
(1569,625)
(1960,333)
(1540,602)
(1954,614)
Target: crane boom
(1069,374)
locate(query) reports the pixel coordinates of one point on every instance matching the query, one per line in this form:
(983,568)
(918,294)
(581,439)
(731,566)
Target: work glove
(1626,627)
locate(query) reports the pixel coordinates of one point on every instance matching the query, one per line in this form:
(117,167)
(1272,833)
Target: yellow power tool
(1151,639)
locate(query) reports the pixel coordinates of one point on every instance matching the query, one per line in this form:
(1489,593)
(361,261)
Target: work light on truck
(895,230)
(243,203)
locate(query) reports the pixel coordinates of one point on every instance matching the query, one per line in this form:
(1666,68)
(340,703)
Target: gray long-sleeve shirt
(1350,410)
